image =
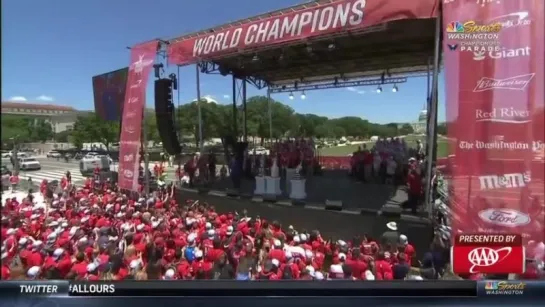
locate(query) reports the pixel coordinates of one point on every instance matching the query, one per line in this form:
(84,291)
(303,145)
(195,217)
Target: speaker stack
(164,111)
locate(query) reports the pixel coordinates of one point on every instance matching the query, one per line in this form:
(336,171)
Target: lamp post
(14,155)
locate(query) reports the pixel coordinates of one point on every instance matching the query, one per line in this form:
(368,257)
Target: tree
(91,128)
(63,136)
(152,132)
(442,129)
(41,130)
(406,129)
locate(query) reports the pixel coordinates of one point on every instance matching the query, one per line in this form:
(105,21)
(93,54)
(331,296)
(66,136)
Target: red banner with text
(302,22)
(142,59)
(494,73)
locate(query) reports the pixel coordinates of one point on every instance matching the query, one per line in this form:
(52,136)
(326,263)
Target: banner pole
(145,152)
(433,119)
(269,106)
(201,142)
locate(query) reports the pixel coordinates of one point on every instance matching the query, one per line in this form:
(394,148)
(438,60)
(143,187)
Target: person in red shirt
(14,181)
(415,190)
(80,265)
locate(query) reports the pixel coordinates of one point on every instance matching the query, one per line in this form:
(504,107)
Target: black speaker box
(164,110)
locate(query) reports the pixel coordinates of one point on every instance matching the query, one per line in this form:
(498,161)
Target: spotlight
(331,46)
(395,89)
(255,58)
(291,96)
(379,89)
(303,96)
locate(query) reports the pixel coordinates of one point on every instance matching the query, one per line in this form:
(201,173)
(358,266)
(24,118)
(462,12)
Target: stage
(334,185)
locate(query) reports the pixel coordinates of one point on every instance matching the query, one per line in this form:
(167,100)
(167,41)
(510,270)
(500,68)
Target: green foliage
(25,129)
(406,129)
(91,128)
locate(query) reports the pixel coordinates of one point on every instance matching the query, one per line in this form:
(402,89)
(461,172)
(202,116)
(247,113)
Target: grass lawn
(442,149)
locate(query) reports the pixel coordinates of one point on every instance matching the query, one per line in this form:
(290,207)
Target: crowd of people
(97,232)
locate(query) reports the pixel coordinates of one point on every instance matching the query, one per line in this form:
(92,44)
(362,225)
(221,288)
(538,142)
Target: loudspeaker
(334,205)
(164,110)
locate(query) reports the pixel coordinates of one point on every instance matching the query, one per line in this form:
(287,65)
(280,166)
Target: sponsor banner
(317,20)
(488,254)
(494,61)
(109,94)
(142,59)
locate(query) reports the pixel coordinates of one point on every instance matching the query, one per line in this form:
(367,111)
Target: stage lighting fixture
(291,96)
(303,96)
(395,89)
(379,89)
(331,47)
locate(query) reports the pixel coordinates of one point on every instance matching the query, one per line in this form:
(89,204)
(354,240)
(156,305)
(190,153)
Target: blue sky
(51,49)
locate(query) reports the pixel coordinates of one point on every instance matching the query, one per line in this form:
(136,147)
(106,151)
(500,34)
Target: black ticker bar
(277,288)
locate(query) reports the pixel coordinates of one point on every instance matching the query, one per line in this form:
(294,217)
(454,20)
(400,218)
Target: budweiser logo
(517,83)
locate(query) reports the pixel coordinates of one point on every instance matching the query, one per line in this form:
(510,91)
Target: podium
(290,173)
(259,185)
(298,189)
(272,186)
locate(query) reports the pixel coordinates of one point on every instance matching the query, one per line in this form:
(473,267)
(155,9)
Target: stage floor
(335,186)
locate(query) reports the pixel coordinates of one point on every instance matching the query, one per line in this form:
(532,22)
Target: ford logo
(505,217)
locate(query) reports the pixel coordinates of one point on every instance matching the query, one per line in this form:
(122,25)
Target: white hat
(64,225)
(277,243)
(140,227)
(336,269)
(34,216)
(208,225)
(58,252)
(169,274)
(155,224)
(52,237)
(11,231)
(119,215)
(369,275)
(73,230)
(318,275)
(303,237)
(342,256)
(33,272)
(288,254)
(341,243)
(310,269)
(403,239)
(135,264)
(198,253)
(296,239)
(83,240)
(91,267)
(392,226)
(37,243)
(275,262)
(309,254)
(229,230)
(191,237)
(23,241)
(211,233)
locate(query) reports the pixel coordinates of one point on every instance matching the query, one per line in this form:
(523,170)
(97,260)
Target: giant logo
(505,53)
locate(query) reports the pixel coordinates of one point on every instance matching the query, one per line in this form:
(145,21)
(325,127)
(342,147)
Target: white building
(62,118)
